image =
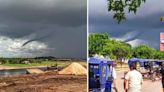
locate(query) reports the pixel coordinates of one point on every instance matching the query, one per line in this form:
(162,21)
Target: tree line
(23,60)
(102,44)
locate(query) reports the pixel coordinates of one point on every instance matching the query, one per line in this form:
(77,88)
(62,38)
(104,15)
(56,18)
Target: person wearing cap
(134,80)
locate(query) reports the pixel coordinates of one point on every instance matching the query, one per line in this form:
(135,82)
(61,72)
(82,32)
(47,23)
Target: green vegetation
(97,42)
(108,47)
(119,50)
(44,63)
(162,18)
(33,62)
(119,6)
(143,51)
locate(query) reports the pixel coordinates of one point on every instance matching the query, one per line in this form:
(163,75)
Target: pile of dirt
(75,69)
(34,71)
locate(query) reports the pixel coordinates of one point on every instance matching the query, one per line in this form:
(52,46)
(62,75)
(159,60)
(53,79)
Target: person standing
(112,77)
(134,80)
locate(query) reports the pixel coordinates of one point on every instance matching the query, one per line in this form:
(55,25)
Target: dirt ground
(48,82)
(148,86)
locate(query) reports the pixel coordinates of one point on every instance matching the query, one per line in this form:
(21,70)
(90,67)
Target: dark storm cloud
(146,23)
(60,24)
(61,12)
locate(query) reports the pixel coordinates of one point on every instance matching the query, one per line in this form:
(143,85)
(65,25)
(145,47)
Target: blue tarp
(134,60)
(95,60)
(159,60)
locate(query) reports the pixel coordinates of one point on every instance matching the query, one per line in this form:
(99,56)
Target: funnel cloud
(43,28)
(142,28)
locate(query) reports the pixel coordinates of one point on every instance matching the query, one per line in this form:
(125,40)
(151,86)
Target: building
(162,41)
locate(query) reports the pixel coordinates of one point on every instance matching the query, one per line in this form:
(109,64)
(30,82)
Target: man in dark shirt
(162,73)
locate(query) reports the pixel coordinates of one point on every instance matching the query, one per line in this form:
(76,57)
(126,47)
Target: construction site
(71,78)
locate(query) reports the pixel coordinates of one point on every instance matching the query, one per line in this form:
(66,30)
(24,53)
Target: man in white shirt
(112,72)
(114,79)
(134,79)
(112,76)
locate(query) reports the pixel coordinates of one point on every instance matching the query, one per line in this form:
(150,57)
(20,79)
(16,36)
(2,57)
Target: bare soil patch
(47,82)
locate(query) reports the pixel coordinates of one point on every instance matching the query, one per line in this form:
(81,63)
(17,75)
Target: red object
(162,41)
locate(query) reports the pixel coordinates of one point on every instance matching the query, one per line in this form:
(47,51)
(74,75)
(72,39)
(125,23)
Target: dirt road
(148,86)
(48,82)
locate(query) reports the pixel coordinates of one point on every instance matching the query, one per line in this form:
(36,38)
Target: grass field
(43,64)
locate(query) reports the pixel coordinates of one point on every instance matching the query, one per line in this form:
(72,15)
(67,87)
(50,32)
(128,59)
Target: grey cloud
(148,25)
(60,24)
(56,11)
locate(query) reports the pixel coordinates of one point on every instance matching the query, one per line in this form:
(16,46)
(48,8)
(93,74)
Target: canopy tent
(134,60)
(159,60)
(95,60)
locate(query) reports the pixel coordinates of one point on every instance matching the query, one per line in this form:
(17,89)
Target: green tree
(143,51)
(119,6)
(121,51)
(100,43)
(97,42)
(159,55)
(108,49)
(162,18)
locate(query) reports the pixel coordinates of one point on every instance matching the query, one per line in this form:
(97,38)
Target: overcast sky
(143,28)
(32,28)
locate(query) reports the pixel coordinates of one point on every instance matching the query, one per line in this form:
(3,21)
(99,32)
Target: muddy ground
(48,82)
